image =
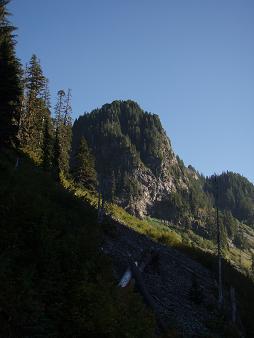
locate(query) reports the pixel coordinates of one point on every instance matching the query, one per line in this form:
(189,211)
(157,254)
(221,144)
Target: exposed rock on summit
(133,156)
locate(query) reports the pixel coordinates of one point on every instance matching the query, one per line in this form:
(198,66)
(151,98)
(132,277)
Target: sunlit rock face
(134,157)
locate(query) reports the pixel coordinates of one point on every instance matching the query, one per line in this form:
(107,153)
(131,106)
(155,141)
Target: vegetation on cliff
(140,172)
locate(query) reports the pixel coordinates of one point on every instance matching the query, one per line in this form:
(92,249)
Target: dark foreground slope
(54,281)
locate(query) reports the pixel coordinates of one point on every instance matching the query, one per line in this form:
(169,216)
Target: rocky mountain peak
(133,151)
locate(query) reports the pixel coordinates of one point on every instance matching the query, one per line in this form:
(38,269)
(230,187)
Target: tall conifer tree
(66,133)
(63,132)
(36,108)
(47,147)
(47,156)
(10,83)
(58,122)
(84,166)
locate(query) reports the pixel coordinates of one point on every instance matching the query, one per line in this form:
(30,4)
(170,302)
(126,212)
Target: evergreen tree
(36,108)
(66,133)
(63,130)
(58,123)
(252,264)
(56,156)
(84,166)
(236,195)
(10,84)
(35,78)
(230,223)
(113,185)
(59,109)
(239,239)
(46,94)
(47,144)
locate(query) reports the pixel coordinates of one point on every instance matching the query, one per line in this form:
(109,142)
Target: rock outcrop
(133,155)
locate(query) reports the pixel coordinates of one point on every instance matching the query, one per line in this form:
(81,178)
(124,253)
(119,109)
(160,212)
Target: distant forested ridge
(234,193)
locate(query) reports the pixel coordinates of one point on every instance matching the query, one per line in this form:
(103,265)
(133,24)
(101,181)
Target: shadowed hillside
(54,280)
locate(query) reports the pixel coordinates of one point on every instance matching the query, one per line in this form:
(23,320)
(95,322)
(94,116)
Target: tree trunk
(233,303)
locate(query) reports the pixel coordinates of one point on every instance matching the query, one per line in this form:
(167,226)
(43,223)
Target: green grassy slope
(201,250)
(170,233)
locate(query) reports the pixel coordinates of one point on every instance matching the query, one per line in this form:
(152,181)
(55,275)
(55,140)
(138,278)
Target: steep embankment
(184,292)
(54,280)
(170,280)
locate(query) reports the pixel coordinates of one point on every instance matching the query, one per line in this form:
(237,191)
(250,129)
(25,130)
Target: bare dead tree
(99,201)
(220,292)
(134,271)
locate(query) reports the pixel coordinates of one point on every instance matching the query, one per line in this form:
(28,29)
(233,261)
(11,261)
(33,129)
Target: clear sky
(189,61)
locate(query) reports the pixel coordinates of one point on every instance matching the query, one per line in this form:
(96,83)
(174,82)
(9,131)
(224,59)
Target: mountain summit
(133,155)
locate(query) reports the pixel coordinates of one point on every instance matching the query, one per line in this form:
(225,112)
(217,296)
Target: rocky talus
(170,281)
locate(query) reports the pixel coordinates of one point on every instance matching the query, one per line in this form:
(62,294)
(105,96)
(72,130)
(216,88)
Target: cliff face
(134,157)
(155,188)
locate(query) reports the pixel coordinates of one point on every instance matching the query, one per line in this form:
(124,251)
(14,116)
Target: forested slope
(234,193)
(54,280)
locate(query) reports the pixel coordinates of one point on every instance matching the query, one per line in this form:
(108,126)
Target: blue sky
(189,61)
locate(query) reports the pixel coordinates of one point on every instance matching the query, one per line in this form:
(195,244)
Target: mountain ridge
(138,170)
